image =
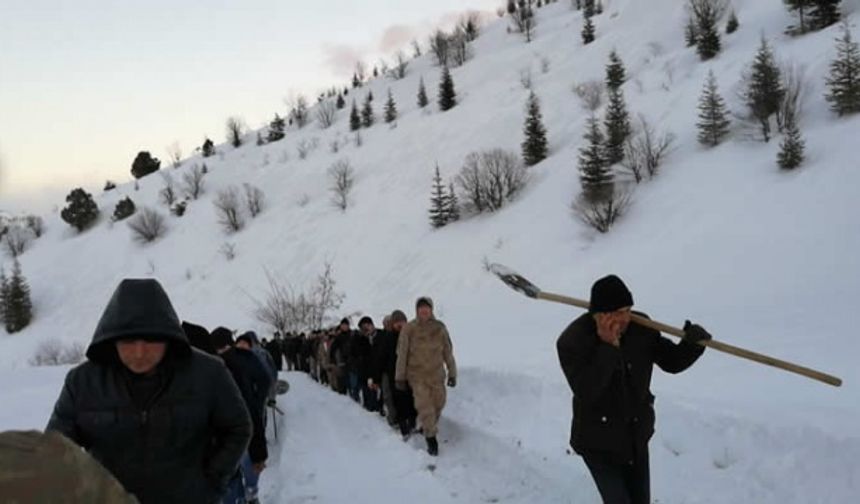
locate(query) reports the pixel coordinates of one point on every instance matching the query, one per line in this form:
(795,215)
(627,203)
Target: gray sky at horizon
(86,85)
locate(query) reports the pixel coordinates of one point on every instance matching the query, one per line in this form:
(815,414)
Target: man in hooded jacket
(166,420)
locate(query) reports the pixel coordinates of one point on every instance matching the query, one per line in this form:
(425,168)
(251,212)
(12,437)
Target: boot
(432,446)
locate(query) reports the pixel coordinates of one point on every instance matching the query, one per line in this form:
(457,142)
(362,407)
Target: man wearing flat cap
(608,363)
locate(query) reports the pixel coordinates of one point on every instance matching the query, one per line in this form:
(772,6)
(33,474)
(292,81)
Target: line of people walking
(399,371)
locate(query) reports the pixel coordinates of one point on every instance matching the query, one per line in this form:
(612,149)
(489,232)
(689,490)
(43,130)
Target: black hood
(137,308)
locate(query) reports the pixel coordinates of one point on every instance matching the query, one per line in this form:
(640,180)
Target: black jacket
(384,355)
(254,382)
(186,443)
(613,408)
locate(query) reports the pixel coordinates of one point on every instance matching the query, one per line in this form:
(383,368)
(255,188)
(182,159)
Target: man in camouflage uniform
(41,468)
(424,351)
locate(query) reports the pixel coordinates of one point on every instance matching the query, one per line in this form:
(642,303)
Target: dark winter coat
(384,355)
(186,443)
(198,337)
(274,348)
(254,382)
(359,356)
(613,408)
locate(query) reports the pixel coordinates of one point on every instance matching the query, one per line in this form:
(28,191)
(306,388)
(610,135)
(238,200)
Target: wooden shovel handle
(716,345)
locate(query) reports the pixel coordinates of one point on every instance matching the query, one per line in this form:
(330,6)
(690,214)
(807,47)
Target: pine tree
(802,7)
(354,118)
(390,109)
(452,204)
(535,144)
(367,116)
(422,94)
(791,149)
(690,34)
(208,148)
(124,209)
(356,82)
(447,94)
(824,13)
(18,308)
(81,210)
(370,96)
(708,36)
(587,31)
(260,140)
(713,117)
(340,103)
(438,199)
(144,164)
(598,8)
(843,83)
(276,128)
(594,174)
(732,24)
(617,124)
(615,73)
(764,90)
(588,8)
(4,295)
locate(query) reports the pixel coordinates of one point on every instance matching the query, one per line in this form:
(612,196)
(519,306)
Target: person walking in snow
(253,381)
(399,404)
(366,343)
(424,351)
(608,364)
(165,419)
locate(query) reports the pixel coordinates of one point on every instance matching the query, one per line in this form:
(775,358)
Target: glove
(401,385)
(452,381)
(271,402)
(694,333)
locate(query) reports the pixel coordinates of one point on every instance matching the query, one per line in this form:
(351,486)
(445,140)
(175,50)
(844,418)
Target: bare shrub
(416,49)
(303,148)
(53,352)
(235,130)
(286,310)
(334,146)
(326,112)
(342,178)
(544,65)
(298,105)
(228,250)
(228,207)
(16,240)
(491,178)
(193,182)
(35,224)
(794,85)
(254,199)
(459,51)
(304,200)
(147,226)
(174,152)
(526,78)
(167,195)
(591,94)
(600,214)
(646,150)
(401,62)
(439,47)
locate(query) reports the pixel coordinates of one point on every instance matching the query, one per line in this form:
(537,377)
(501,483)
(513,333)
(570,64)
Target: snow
(764,260)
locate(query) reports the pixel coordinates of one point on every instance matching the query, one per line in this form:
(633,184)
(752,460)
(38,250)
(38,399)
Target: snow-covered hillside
(763,259)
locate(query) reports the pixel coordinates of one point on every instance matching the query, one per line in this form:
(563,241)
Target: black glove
(271,402)
(401,385)
(694,333)
(452,381)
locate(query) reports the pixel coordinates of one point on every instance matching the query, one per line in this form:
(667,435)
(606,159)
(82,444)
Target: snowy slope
(763,259)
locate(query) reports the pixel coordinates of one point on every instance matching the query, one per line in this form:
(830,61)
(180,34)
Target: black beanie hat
(344,321)
(398,316)
(365,320)
(221,337)
(609,294)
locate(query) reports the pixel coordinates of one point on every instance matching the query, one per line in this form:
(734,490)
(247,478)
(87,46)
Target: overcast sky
(85,85)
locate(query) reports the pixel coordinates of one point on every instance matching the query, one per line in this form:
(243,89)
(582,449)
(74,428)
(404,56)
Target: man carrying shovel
(608,363)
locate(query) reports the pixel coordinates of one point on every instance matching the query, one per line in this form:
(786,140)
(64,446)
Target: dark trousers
(621,483)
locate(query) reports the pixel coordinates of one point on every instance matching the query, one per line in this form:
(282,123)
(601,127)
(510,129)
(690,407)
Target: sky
(85,85)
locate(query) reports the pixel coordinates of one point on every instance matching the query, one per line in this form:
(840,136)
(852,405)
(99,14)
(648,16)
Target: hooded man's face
(141,356)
